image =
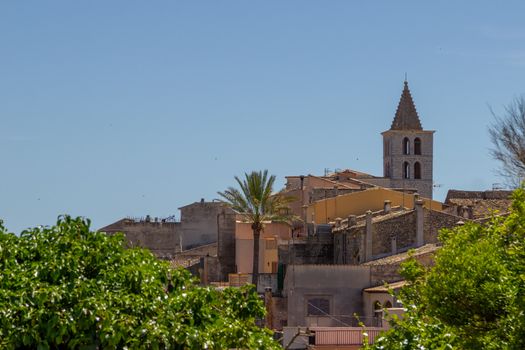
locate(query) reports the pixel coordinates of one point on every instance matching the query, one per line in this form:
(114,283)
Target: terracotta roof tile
(398,258)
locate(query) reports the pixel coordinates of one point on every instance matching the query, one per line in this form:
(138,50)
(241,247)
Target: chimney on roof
(352,220)
(470,211)
(467,212)
(416,198)
(202,200)
(387,206)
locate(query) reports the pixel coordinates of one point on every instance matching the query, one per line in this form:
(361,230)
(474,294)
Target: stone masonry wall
(435,221)
(379,274)
(199,223)
(226,244)
(394,160)
(161,238)
(307,252)
(348,245)
(401,228)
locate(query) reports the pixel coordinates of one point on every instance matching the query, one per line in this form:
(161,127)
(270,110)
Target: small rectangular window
(271,244)
(318,307)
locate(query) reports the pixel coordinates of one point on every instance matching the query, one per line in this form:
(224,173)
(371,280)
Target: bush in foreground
(68,287)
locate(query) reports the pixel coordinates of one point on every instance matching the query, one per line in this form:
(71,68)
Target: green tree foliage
(474,296)
(68,287)
(256,204)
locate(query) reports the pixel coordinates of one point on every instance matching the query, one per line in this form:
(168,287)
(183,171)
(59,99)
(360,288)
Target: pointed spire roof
(406,115)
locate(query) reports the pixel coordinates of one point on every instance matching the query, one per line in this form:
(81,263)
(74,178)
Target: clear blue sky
(116,108)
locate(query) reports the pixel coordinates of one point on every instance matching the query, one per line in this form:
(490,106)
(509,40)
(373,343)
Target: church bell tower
(408,149)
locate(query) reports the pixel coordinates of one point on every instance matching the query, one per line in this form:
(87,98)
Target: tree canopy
(66,286)
(474,296)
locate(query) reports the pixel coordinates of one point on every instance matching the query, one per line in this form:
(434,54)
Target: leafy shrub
(68,287)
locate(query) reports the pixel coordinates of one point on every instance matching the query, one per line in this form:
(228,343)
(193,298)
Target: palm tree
(256,204)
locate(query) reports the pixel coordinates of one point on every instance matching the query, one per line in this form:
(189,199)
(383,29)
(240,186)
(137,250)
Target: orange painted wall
(358,203)
(267,246)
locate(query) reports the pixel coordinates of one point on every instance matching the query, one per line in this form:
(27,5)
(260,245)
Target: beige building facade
(268,246)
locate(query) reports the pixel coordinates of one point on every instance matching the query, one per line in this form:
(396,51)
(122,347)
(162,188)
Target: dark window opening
(417,146)
(406,146)
(318,307)
(406,170)
(377,306)
(417,170)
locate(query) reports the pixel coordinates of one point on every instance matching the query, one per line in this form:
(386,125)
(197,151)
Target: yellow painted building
(268,257)
(358,203)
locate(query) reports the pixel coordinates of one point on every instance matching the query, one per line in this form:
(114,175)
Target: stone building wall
(382,273)
(340,285)
(434,221)
(307,251)
(226,244)
(199,223)
(279,313)
(161,238)
(401,228)
(350,244)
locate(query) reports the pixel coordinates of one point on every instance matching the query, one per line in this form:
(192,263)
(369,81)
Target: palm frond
(255,200)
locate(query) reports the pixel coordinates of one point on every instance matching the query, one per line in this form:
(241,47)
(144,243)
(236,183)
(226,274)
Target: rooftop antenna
(405,76)
(497,186)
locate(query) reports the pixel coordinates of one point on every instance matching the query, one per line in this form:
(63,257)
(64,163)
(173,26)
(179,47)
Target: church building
(408,149)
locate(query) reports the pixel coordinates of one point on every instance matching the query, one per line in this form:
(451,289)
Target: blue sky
(117,108)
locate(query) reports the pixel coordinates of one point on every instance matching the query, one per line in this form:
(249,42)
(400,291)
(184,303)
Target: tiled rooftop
(398,258)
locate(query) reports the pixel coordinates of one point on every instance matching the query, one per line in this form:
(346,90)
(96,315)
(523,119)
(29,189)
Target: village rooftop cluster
(324,274)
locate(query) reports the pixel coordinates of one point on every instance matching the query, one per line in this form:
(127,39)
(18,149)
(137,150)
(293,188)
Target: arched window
(377,307)
(406,170)
(388,305)
(417,170)
(406,146)
(417,146)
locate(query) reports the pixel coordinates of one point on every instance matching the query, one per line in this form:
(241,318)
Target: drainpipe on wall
(368,235)
(393,244)
(418,204)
